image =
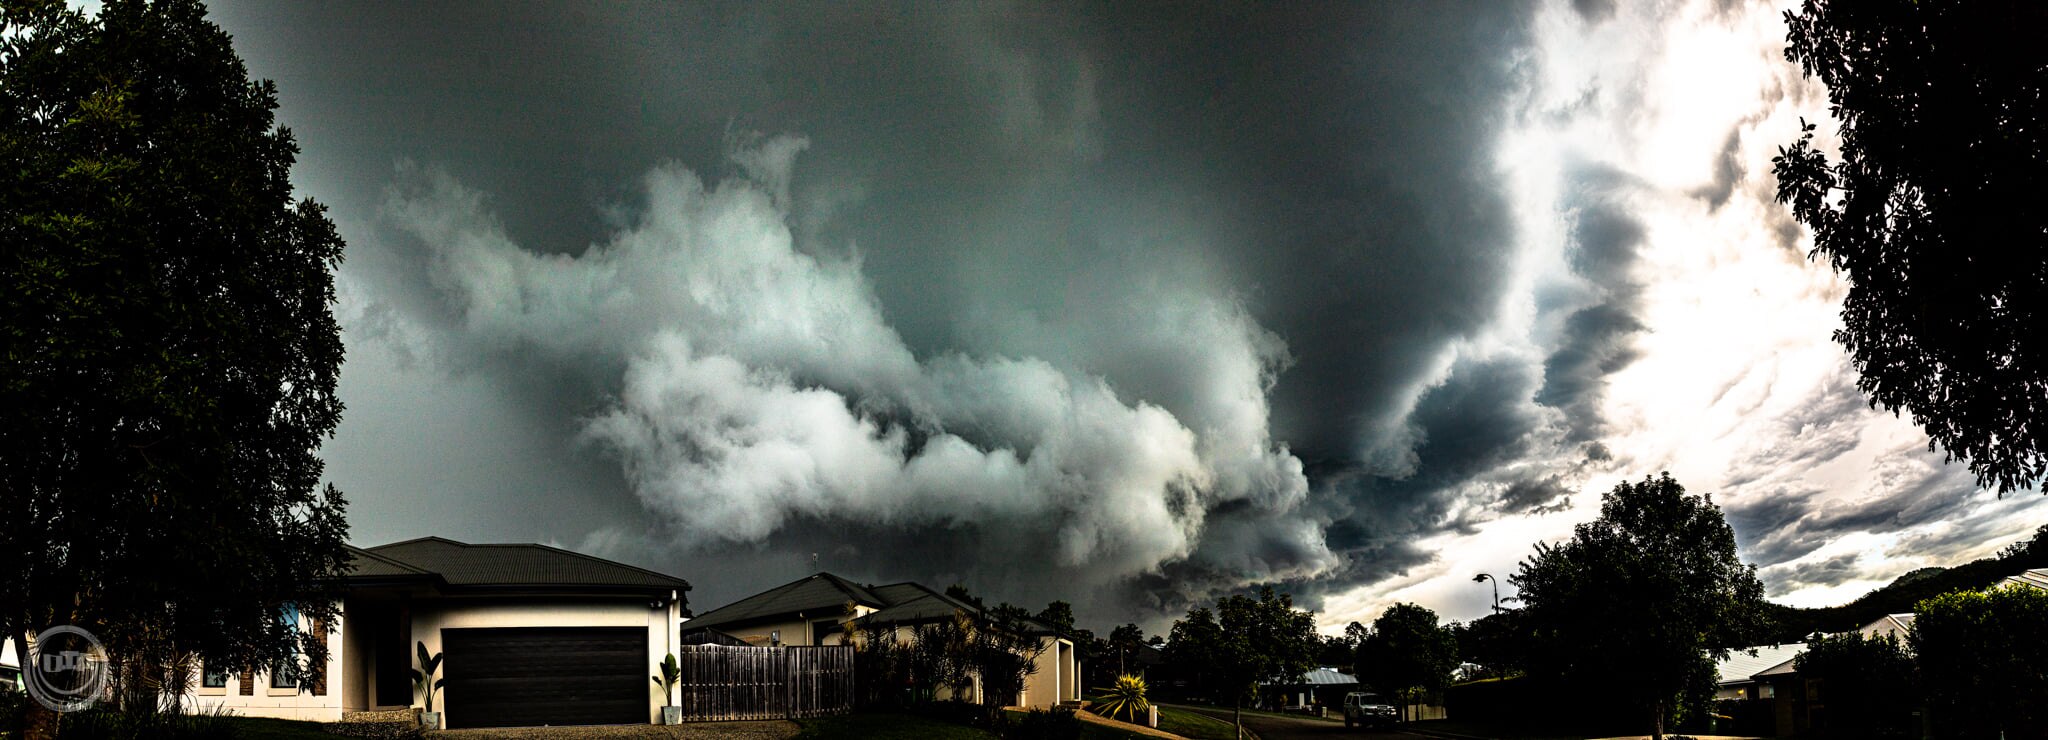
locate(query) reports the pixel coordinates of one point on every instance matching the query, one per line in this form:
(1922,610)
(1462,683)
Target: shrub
(1039,724)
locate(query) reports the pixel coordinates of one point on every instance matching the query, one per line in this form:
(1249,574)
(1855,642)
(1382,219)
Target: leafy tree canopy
(1980,655)
(1933,213)
(1407,650)
(1243,643)
(1651,590)
(1865,682)
(171,349)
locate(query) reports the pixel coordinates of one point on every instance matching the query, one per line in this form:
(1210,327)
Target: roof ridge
(605,561)
(428,538)
(354,550)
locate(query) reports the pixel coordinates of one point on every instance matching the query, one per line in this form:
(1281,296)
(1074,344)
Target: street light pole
(1496,589)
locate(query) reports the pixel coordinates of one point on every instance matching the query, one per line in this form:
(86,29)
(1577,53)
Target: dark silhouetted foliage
(171,348)
(1980,655)
(1866,683)
(1933,213)
(1638,604)
(1407,652)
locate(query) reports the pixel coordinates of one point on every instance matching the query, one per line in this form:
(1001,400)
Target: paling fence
(725,683)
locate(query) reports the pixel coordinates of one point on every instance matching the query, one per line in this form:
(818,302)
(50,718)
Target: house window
(213,678)
(279,679)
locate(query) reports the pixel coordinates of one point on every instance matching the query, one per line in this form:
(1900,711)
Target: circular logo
(67,669)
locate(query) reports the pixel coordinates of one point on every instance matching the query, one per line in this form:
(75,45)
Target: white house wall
(349,664)
(265,701)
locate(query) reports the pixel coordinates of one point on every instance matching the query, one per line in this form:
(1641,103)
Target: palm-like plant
(423,681)
(671,674)
(1126,697)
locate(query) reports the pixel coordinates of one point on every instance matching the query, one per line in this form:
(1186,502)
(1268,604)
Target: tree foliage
(171,349)
(1933,213)
(1981,655)
(1651,591)
(1865,682)
(1243,643)
(1407,652)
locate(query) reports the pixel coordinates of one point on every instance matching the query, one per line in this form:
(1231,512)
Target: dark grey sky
(1126,304)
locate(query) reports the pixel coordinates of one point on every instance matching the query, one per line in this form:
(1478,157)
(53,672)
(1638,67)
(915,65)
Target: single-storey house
(1322,686)
(530,635)
(818,609)
(1735,675)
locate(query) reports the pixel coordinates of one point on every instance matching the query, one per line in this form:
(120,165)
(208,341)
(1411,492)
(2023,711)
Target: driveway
(1294,728)
(773,730)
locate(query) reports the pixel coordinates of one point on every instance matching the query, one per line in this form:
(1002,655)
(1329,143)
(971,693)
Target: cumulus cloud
(757,384)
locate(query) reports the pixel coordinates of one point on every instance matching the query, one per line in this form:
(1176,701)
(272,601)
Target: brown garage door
(532,676)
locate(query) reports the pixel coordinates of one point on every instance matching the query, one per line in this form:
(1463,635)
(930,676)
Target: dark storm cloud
(1826,572)
(1023,181)
(1598,338)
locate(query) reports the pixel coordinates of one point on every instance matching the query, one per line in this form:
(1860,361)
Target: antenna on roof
(814,562)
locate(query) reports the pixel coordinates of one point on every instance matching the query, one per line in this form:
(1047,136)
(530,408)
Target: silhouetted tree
(1980,655)
(1641,601)
(1124,642)
(165,310)
(1867,684)
(1246,642)
(1933,213)
(1407,652)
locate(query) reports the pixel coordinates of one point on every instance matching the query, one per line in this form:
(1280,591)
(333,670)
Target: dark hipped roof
(462,564)
(823,594)
(818,594)
(914,603)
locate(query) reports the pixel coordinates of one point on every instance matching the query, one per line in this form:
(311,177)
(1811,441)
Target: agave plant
(1126,697)
(423,681)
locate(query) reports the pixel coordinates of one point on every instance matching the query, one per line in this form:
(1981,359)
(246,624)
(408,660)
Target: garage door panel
(530,676)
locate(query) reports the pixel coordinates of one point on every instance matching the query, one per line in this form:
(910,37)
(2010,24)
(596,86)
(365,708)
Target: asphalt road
(1291,728)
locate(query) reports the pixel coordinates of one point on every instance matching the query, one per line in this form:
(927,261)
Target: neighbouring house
(818,610)
(2038,578)
(530,635)
(1322,686)
(1889,625)
(1735,675)
(1780,701)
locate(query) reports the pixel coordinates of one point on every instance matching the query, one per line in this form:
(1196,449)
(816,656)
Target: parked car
(1366,709)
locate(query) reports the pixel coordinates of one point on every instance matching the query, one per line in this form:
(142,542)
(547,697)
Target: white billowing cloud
(754,384)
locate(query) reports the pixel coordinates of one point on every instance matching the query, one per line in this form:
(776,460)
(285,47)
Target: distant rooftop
(2038,578)
(822,595)
(817,595)
(1740,666)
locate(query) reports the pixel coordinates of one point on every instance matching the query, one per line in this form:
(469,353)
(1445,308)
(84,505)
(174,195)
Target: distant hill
(1794,623)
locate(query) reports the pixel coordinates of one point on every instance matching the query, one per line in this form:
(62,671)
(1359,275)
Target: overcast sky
(1124,304)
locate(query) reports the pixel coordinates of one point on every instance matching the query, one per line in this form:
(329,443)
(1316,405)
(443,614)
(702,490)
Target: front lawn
(265,728)
(887,726)
(1197,726)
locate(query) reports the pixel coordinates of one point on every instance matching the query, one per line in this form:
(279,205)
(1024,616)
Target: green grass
(1200,727)
(265,728)
(1335,716)
(887,726)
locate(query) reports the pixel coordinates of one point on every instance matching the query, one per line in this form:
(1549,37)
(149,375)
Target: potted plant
(671,674)
(425,684)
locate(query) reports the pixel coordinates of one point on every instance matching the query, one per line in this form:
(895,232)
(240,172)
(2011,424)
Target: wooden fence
(725,683)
